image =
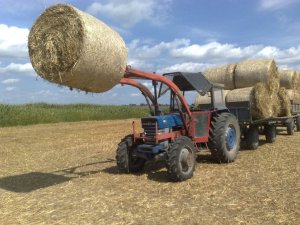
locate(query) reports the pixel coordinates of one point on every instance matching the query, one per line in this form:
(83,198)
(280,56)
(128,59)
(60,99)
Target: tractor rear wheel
(252,138)
(224,138)
(290,127)
(270,133)
(127,161)
(298,123)
(181,159)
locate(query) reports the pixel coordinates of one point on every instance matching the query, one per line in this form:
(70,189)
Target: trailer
(251,128)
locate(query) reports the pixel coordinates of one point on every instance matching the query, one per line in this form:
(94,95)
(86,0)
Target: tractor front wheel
(181,159)
(127,161)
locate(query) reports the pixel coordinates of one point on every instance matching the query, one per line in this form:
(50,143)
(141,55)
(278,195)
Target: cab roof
(192,81)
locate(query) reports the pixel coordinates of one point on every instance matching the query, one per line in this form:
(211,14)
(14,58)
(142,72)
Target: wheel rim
(230,138)
(186,160)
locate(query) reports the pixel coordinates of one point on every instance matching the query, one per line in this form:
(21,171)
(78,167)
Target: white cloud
(135,94)
(15,68)
(130,12)
(147,84)
(13,42)
(186,67)
(181,54)
(145,51)
(10,81)
(276,4)
(9,89)
(214,52)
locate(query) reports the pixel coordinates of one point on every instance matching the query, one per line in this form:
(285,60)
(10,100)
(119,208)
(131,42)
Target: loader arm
(138,85)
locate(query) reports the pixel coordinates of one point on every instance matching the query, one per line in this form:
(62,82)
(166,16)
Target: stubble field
(66,173)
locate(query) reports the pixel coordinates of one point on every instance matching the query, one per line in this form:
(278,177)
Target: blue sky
(161,36)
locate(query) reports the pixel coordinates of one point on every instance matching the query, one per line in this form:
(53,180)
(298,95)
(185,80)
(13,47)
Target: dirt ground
(66,174)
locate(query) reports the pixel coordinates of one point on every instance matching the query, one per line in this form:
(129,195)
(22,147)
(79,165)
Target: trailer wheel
(181,159)
(224,138)
(252,138)
(298,123)
(127,161)
(290,128)
(270,133)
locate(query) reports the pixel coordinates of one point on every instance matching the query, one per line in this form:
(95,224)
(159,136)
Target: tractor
(175,136)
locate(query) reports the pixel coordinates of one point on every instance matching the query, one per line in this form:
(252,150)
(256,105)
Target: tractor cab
(199,121)
(194,82)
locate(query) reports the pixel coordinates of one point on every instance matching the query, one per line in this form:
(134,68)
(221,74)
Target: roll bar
(134,73)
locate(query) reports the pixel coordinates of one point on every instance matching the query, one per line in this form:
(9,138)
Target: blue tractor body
(154,125)
(163,121)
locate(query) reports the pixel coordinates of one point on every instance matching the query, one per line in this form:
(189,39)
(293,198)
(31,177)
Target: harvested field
(65,174)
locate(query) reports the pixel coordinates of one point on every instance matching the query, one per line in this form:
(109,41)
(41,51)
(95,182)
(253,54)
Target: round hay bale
(273,85)
(250,72)
(293,95)
(72,48)
(222,75)
(239,95)
(258,96)
(205,99)
(285,102)
(287,78)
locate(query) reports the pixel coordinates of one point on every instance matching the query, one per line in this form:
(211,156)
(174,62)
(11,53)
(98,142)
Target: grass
(16,115)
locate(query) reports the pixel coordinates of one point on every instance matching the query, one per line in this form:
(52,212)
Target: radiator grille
(150,133)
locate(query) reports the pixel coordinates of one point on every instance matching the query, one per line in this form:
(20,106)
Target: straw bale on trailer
(250,72)
(293,95)
(285,103)
(261,102)
(72,48)
(288,78)
(205,99)
(222,75)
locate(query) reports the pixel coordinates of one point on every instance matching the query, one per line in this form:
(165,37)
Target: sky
(161,36)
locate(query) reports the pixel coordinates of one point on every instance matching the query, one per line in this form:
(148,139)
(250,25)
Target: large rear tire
(181,159)
(270,133)
(252,138)
(127,161)
(224,138)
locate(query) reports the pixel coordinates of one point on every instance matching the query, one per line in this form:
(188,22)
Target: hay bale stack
(285,103)
(288,78)
(72,48)
(205,99)
(293,95)
(222,75)
(250,72)
(258,96)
